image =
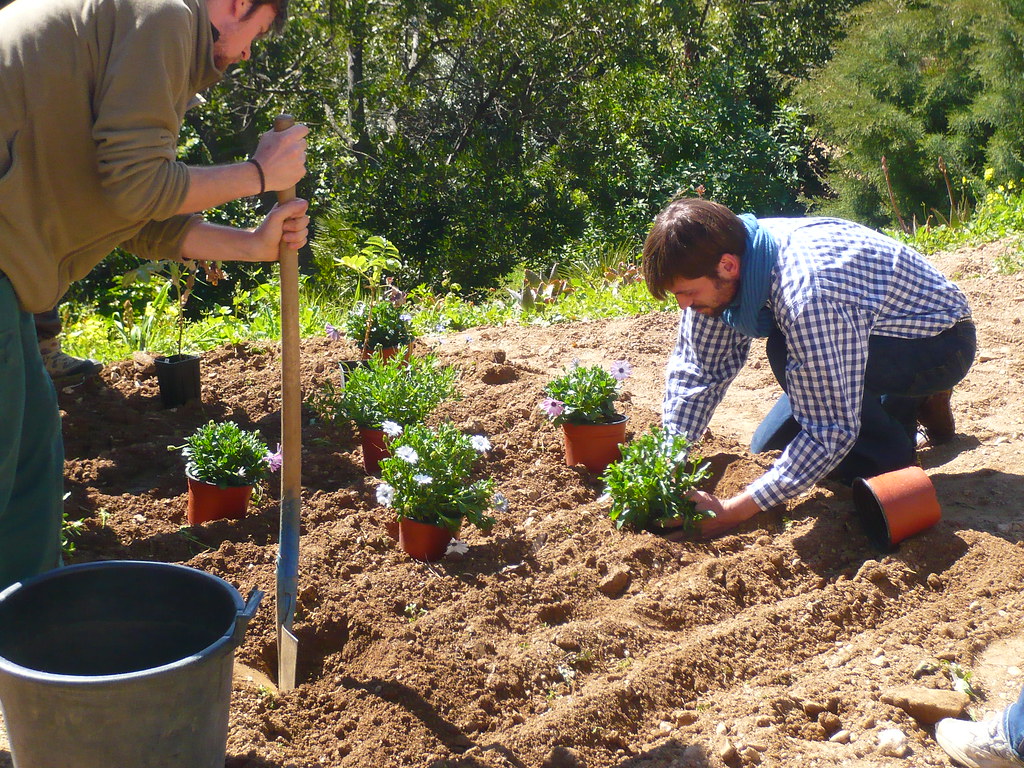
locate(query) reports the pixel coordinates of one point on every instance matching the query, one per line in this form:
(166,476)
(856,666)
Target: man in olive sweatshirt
(92,97)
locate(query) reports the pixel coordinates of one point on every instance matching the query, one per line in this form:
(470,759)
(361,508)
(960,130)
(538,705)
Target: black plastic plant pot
(347,366)
(178,376)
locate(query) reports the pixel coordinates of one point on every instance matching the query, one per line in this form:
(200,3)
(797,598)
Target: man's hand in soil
(287,223)
(728,513)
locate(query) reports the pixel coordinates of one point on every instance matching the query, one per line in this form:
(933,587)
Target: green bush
(380,326)
(429,478)
(585,394)
(649,484)
(392,390)
(224,454)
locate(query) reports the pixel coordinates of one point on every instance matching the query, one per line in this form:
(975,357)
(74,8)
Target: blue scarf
(749,314)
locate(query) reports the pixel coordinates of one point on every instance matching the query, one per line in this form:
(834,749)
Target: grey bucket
(120,664)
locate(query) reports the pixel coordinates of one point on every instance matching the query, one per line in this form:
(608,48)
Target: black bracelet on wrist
(259,170)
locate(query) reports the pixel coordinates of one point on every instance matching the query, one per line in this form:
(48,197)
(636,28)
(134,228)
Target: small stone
(665,726)
(927,705)
(893,742)
(727,751)
(813,708)
(840,737)
(935,582)
(830,722)
(562,757)
(684,717)
(763,721)
(924,668)
(751,755)
(615,582)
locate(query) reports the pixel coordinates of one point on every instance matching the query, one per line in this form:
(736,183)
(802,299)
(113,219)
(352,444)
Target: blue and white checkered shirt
(835,284)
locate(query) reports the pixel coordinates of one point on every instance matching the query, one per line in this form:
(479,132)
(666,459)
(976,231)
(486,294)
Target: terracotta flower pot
(386,353)
(595,446)
(374,449)
(423,541)
(208,502)
(896,505)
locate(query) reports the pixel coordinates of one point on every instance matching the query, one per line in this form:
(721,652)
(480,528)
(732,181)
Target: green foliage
(396,390)
(69,531)
(224,454)
(584,395)
(368,267)
(1000,214)
(429,478)
(649,484)
(931,89)
(378,326)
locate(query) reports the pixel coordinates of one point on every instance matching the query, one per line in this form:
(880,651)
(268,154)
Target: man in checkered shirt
(865,337)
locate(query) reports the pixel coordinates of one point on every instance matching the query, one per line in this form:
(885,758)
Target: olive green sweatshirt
(92,97)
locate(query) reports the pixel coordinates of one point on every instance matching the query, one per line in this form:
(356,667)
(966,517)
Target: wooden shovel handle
(291,422)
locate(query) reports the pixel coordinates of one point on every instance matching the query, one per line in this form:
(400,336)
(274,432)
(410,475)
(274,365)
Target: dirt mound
(556,640)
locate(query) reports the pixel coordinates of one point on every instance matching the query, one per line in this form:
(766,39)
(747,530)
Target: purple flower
(621,370)
(274,460)
(553,408)
(332,333)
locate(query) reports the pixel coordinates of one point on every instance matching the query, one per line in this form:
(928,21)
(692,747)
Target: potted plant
(223,462)
(428,481)
(582,401)
(382,393)
(377,321)
(177,374)
(381,326)
(648,486)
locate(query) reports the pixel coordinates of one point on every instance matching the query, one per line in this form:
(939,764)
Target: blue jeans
(1013,721)
(899,375)
(31,450)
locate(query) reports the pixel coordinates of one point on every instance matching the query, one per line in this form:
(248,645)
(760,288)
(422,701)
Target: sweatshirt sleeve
(137,116)
(161,239)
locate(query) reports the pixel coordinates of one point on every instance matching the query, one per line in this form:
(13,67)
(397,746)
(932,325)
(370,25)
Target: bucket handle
(245,615)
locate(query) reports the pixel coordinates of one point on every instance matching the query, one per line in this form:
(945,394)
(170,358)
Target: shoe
(977,745)
(936,418)
(64,368)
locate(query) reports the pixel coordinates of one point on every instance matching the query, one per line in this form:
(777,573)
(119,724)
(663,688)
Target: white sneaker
(977,745)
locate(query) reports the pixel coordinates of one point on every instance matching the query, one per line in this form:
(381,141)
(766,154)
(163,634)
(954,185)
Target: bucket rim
(217,646)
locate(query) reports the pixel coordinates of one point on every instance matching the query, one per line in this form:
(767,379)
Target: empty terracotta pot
(896,505)
(595,446)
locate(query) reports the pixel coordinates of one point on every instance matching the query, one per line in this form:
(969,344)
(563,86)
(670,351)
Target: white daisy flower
(385,495)
(407,453)
(391,428)
(480,443)
(423,479)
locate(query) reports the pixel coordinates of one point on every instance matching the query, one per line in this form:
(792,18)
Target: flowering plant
(379,325)
(224,454)
(387,390)
(428,478)
(585,394)
(649,484)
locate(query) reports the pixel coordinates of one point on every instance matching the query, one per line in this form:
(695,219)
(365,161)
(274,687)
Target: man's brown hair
(281,8)
(688,240)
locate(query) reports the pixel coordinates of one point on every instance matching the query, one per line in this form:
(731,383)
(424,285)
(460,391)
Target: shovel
(291,453)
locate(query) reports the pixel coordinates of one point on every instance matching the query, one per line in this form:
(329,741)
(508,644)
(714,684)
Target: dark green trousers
(31,450)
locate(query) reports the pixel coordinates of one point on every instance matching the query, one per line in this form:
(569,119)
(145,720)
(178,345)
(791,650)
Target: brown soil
(758,647)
